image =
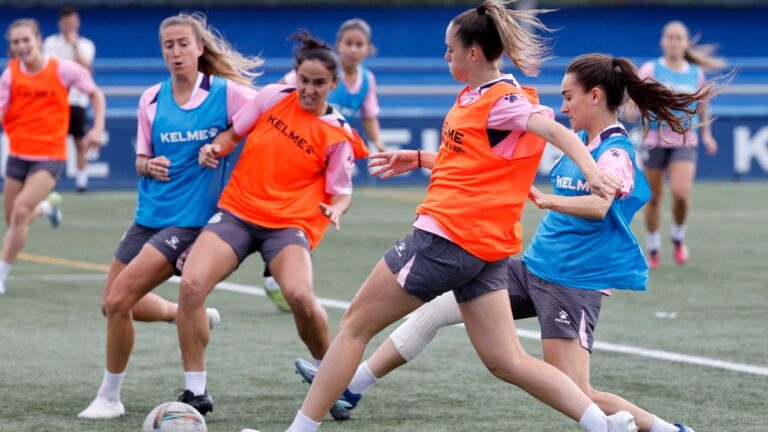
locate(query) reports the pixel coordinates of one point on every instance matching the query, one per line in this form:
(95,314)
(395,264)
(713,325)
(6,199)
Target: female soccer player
(209,83)
(564,287)
(469,222)
(34,110)
(293,179)
(681,69)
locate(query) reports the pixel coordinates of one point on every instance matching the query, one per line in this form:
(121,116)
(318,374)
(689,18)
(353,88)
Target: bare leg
(570,357)
(145,272)
(35,189)
(210,260)
(292,268)
(380,302)
(653,207)
(491,329)
(681,176)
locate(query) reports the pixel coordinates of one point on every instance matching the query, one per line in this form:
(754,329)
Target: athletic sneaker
(102,408)
(276,294)
(347,402)
(622,421)
(203,403)
(2,287)
(214,318)
(683,428)
(654,259)
(54,199)
(681,252)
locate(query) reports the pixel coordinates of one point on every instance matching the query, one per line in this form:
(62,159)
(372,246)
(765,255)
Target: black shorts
(565,313)
(172,242)
(78,121)
(661,157)
(246,238)
(428,265)
(19,169)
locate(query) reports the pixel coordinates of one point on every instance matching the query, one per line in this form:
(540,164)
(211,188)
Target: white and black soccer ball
(174,417)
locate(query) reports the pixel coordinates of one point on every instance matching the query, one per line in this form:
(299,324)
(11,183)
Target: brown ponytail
(619,79)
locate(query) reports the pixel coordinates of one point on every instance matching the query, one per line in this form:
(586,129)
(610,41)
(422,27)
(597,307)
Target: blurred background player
(681,68)
(293,179)
(564,289)
(209,83)
(35,113)
(70,45)
(354,96)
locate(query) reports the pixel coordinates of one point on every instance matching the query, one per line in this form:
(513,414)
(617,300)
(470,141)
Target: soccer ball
(174,417)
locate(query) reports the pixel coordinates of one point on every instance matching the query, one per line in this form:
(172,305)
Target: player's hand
(539,198)
(709,143)
(158,168)
(332,213)
(208,155)
(393,163)
(603,184)
(93,138)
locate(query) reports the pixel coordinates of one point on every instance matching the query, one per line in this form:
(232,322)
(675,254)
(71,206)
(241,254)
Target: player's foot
(81,189)
(654,259)
(103,408)
(54,199)
(347,402)
(2,287)
(276,294)
(622,421)
(683,428)
(214,318)
(681,252)
(203,403)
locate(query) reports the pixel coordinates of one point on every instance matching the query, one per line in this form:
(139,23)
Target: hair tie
(615,66)
(480,10)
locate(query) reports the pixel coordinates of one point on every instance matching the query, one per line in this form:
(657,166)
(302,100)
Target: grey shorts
(428,265)
(566,313)
(172,242)
(78,121)
(19,169)
(246,238)
(661,157)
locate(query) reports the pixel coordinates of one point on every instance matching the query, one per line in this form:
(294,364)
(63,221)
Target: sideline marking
(344,305)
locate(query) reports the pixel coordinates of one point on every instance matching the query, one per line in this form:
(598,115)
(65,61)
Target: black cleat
(203,403)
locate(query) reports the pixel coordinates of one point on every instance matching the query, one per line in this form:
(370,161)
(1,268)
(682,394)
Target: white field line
(526,334)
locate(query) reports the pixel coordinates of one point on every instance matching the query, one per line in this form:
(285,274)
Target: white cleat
(622,421)
(103,408)
(214,318)
(2,287)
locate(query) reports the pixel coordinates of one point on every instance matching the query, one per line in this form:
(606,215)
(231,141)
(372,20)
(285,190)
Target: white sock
(678,232)
(46,208)
(302,423)
(317,362)
(363,379)
(660,425)
(195,382)
(594,419)
(81,179)
(653,241)
(5,268)
(110,385)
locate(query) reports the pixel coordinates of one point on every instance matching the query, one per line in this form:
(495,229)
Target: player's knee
(300,298)
(193,290)
(116,305)
(354,326)
(506,368)
(681,194)
(20,214)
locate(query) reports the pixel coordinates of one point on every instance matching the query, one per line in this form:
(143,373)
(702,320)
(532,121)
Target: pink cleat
(654,259)
(681,252)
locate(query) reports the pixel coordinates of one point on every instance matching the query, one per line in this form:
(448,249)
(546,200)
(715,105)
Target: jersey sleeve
(370,107)
(75,75)
(269,96)
(238,96)
(647,70)
(5,91)
(617,162)
(144,128)
(511,113)
(340,162)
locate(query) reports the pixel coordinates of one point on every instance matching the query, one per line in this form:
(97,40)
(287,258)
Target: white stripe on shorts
(404,272)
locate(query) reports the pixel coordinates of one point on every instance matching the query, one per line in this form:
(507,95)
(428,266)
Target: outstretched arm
(399,162)
(585,206)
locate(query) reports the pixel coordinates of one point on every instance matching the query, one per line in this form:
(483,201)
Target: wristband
(418,157)
(146,168)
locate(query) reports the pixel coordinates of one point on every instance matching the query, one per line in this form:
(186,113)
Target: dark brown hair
(702,55)
(498,30)
(620,80)
(313,49)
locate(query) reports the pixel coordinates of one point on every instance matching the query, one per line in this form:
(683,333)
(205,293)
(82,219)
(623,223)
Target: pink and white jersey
(339,157)
(71,74)
(616,162)
(688,80)
(507,120)
(370,108)
(237,96)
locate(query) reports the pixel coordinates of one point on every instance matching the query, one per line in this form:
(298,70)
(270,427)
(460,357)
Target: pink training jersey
(507,120)
(237,97)
(668,138)
(71,74)
(616,162)
(370,108)
(339,157)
